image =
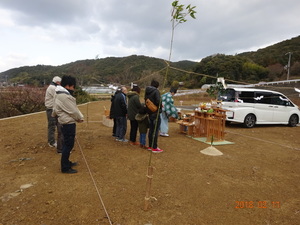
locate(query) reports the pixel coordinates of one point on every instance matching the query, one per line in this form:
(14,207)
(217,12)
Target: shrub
(21,100)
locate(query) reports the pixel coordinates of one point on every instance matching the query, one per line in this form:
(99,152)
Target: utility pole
(288,65)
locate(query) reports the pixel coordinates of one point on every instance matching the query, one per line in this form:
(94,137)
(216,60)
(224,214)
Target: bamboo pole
(148,187)
(87,114)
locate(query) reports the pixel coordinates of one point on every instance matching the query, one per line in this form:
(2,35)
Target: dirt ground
(255,181)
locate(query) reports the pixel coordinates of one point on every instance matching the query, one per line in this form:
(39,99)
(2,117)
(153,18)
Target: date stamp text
(257,204)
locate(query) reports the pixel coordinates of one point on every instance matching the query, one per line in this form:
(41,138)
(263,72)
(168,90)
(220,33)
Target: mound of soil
(255,181)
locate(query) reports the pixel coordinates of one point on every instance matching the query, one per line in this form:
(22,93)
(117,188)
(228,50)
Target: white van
(257,106)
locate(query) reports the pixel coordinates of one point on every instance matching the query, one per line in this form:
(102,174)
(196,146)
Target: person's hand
(80,121)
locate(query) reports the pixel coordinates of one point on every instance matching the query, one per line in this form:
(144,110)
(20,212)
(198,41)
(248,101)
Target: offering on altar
(202,105)
(211,110)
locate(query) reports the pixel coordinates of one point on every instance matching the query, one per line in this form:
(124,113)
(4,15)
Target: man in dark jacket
(120,113)
(134,106)
(152,93)
(112,113)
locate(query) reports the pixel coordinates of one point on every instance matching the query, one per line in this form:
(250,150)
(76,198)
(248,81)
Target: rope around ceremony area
(259,139)
(94,182)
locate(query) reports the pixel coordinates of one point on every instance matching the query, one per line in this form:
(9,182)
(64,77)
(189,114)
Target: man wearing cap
(52,121)
(120,111)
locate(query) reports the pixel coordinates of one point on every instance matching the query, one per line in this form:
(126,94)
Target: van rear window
(227,96)
(230,95)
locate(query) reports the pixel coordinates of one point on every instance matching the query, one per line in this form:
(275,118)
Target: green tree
(22,78)
(214,90)
(254,72)
(175,84)
(234,68)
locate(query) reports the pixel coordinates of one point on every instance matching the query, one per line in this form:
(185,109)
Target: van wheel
(249,121)
(293,121)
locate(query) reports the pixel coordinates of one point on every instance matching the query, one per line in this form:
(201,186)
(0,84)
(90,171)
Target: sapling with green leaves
(179,14)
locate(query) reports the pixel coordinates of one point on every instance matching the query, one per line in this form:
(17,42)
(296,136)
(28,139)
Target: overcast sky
(55,32)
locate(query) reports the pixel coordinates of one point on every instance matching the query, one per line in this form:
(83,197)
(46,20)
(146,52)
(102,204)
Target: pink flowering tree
(21,100)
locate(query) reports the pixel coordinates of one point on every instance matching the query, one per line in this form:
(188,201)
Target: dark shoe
(70,171)
(134,143)
(143,146)
(59,151)
(73,164)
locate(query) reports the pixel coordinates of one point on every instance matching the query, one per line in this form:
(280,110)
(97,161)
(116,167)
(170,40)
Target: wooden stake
(87,114)
(148,187)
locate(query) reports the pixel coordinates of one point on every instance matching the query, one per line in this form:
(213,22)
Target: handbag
(150,105)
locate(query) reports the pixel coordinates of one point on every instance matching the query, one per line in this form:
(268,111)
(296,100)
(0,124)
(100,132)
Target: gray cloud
(45,12)
(119,28)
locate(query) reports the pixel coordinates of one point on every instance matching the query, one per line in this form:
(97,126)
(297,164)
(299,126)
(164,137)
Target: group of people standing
(141,117)
(63,113)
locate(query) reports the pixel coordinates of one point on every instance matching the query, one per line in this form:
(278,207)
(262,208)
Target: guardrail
(278,82)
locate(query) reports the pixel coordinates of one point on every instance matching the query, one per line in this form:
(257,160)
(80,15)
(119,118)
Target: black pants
(133,130)
(114,128)
(69,131)
(154,124)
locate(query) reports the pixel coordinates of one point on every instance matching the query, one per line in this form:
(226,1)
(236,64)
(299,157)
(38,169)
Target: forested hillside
(276,53)
(117,70)
(267,64)
(275,58)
